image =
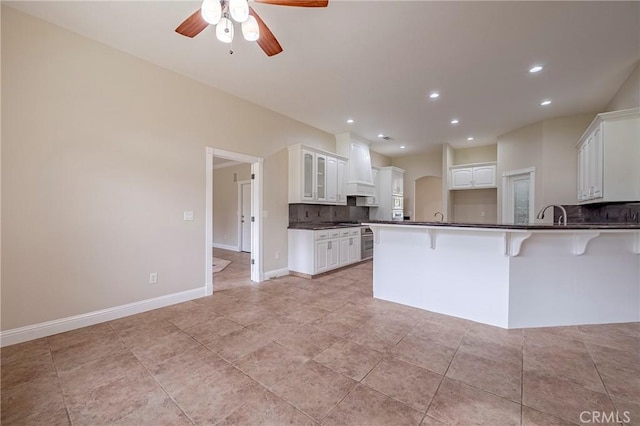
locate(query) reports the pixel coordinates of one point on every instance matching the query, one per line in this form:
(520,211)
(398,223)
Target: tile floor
(297,352)
(236,274)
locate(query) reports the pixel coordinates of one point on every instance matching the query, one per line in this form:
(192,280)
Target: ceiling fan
(221,12)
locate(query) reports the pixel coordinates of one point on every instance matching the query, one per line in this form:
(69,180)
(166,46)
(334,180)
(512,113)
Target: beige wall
(225,203)
(477,154)
(379,160)
(102,152)
(474,205)
(415,167)
(549,146)
(428,198)
(628,96)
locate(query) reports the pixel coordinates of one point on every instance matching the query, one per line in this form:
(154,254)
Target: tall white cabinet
(390,191)
(316,176)
(609,158)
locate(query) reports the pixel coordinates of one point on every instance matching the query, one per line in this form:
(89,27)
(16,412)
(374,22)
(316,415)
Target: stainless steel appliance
(397,215)
(366,243)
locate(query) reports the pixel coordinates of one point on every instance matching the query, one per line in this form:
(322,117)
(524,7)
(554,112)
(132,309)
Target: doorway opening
(518,196)
(428,199)
(233,225)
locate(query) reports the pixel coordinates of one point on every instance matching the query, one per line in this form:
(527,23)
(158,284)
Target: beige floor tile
(497,349)
(38,400)
(212,329)
(458,404)
(267,409)
(304,314)
(382,337)
(314,389)
(500,378)
(35,367)
(423,353)
(275,326)
(338,323)
(531,417)
(349,358)
(561,397)
(269,364)
(364,406)
(443,335)
(163,348)
(21,351)
(628,412)
(307,340)
(238,344)
(116,399)
(407,383)
(621,382)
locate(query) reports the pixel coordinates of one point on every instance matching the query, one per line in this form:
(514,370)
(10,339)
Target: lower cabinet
(315,252)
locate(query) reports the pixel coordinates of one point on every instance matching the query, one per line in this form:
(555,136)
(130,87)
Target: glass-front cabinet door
(521,201)
(308,162)
(321,177)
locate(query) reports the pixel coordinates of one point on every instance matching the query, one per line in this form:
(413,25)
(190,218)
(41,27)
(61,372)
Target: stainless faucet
(441,216)
(562,218)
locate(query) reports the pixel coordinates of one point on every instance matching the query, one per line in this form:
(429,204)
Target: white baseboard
(226,247)
(36,331)
(275,273)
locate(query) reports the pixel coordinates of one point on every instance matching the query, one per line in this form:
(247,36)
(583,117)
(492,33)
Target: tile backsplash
(318,213)
(601,213)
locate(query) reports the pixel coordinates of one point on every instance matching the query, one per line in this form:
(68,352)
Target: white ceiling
(376,61)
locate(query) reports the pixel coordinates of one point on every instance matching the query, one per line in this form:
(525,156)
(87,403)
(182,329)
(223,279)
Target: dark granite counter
(570,226)
(317,226)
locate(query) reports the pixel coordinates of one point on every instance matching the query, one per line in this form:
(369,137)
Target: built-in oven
(396,203)
(366,243)
(397,215)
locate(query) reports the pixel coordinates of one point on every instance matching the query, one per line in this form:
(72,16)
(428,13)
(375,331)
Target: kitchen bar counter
(511,276)
(519,227)
(318,226)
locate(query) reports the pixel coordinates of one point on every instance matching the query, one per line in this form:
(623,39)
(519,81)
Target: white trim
(208,222)
(49,328)
(226,247)
(275,273)
(256,211)
(506,198)
(226,164)
(240,183)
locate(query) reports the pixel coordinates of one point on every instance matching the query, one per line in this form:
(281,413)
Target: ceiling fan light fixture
(224,30)
(239,10)
(211,11)
(250,29)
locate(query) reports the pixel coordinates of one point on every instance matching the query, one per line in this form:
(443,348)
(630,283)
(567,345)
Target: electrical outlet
(153,278)
(277,255)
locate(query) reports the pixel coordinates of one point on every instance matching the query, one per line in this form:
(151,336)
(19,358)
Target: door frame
(507,196)
(240,183)
(257,166)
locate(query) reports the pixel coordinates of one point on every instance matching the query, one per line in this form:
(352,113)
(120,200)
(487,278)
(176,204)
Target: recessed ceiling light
(545,102)
(434,95)
(402,147)
(469,138)
(535,69)
(350,120)
(380,135)
(455,121)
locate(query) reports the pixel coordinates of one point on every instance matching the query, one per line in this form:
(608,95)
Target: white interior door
(245,218)
(518,197)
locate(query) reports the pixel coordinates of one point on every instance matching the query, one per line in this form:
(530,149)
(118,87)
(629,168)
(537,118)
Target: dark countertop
(317,226)
(621,226)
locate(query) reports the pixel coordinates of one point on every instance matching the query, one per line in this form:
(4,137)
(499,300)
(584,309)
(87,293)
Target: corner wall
(102,152)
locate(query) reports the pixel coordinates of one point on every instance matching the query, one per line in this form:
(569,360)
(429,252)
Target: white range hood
(359,177)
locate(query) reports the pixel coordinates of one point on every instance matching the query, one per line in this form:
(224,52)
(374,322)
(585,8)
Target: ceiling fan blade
(297,3)
(267,40)
(193,25)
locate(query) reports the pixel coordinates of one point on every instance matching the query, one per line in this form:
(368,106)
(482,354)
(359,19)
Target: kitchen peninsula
(511,276)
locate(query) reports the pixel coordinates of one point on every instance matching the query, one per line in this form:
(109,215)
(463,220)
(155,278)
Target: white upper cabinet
(316,176)
(397,182)
(472,176)
(342,181)
(609,158)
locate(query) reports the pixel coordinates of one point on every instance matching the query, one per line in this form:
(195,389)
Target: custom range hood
(359,177)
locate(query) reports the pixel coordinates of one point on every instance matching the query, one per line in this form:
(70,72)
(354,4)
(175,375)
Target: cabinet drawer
(333,233)
(321,235)
(354,231)
(344,232)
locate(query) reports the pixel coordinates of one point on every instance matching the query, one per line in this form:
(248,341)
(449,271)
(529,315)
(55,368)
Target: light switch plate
(188,215)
